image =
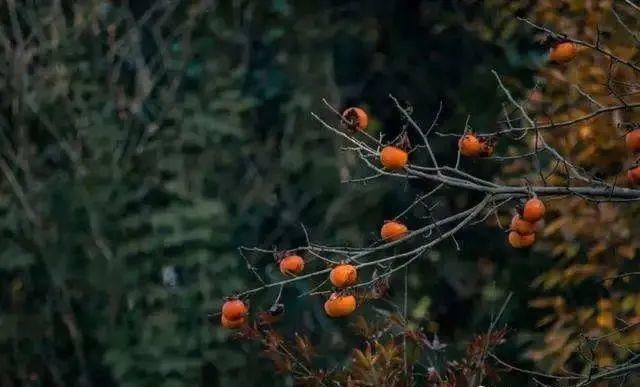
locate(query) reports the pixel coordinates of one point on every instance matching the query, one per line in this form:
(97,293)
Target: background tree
(590,244)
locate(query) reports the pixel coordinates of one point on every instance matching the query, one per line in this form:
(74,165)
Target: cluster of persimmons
(342,301)
(522,232)
(342,276)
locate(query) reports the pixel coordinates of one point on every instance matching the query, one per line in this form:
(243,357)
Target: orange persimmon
(343,275)
(339,305)
(632,139)
(563,52)
(534,210)
(393,230)
(232,324)
(234,309)
(354,118)
(393,157)
(470,145)
(633,175)
(518,241)
(291,265)
(522,226)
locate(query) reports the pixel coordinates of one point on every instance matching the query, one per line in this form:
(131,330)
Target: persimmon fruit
(563,52)
(393,157)
(633,140)
(340,305)
(291,265)
(519,241)
(234,310)
(354,118)
(522,226)
(393,230)
(534,210)
(633,175)
(343,275)
(470,145)
(232,324)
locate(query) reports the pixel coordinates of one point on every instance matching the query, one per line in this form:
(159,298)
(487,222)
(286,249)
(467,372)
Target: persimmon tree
(554,173)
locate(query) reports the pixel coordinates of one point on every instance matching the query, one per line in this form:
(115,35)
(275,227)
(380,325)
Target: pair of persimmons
(341,276)
(391,157)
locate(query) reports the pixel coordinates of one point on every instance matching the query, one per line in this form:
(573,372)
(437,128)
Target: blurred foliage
(143,141)
(587,244)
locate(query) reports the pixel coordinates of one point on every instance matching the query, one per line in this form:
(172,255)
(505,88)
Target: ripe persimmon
(518,241)
(339,305)
(354,118)
(522,226)
(291,264)
(633,140)
(470,145)
(633,175)
(534,210)
(393,230)
(393,157)
(563,52)
(232,324)
(343,275)
(234,309)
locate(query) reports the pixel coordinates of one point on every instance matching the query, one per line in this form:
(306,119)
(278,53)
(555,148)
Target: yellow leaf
(573,249)
(545,302)
(555,225)
(579,272)
(597,249)
(604,360)
(627,251)
(548,319)
(560,249)
(360,359)
(584,314)
(628,303)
